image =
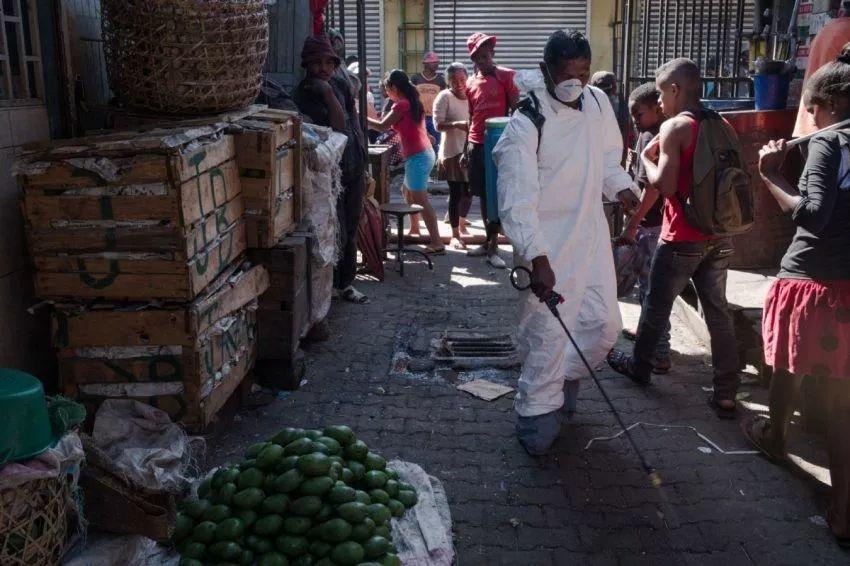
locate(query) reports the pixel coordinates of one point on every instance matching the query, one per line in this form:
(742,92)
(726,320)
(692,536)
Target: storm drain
(474,349)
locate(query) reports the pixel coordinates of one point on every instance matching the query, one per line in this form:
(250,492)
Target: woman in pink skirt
(806,322)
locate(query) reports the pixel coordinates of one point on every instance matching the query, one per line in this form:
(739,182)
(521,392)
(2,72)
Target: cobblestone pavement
(576,506)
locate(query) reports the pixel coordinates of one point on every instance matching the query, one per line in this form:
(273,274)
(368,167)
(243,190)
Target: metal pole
(627,60)
(646,24)
(341,17)
(739,24)
(361,58)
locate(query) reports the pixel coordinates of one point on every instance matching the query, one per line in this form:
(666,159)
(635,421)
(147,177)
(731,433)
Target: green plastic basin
(24,425)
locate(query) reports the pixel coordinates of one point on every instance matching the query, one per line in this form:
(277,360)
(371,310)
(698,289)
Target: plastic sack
(64,458)
(142,444)
(321,152)
(423,536)
(126,550)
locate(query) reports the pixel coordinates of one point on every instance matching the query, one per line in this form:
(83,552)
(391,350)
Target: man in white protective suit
(558,156)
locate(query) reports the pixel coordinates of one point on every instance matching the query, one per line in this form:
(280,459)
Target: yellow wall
(601,33)
(602,17)
(414,12)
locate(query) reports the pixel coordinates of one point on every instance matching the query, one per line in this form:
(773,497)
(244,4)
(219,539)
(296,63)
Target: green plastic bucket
(24,422)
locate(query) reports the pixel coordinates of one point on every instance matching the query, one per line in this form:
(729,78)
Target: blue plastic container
(493,131)
(771,91)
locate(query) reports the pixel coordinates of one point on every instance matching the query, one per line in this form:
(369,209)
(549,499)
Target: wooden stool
(400,211)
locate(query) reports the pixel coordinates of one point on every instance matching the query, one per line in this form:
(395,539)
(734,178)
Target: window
(20,52)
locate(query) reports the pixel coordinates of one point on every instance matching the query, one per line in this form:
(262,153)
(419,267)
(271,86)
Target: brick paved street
(576,506)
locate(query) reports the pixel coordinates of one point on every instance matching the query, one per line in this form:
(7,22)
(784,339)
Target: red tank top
(675,226)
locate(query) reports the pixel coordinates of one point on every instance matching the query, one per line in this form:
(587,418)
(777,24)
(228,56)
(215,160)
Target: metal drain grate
(474,348)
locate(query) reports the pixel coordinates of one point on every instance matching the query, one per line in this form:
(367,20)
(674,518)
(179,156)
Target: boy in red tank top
(684,253)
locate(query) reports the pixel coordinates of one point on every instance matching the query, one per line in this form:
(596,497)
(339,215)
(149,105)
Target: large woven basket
(189,57)
(34,522)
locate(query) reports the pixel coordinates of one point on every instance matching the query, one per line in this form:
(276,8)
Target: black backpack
(529,106)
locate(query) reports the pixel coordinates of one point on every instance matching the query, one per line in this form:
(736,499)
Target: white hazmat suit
(550,203)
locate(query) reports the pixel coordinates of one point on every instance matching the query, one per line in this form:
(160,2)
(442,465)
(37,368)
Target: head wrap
(317,47)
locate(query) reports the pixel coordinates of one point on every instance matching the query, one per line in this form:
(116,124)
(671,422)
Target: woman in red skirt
(806,322)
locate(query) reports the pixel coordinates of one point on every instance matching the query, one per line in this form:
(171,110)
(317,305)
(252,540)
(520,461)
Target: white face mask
(568,90)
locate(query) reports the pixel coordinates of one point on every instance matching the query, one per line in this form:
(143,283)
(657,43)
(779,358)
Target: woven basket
(185,56)
(34,522)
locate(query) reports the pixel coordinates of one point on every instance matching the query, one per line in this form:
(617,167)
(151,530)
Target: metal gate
(374,35)
(714,33)
(521,26)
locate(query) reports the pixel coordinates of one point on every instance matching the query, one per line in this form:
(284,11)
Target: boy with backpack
(695,163)
(644,226)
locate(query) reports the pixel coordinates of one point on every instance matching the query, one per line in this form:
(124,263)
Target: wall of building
(24,338)
(601,31)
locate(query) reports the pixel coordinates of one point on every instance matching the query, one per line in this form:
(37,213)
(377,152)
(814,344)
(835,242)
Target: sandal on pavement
(624,364)
(431,250)
(458,244)
(352,295)
(755,430)
(721,411)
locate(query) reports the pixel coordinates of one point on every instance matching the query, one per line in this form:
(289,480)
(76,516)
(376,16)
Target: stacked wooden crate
(268,152)
(139,239)
(284,311)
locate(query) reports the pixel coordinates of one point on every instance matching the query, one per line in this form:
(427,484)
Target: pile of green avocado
(304,498)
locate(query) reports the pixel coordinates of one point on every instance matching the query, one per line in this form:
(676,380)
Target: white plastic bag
(423,536)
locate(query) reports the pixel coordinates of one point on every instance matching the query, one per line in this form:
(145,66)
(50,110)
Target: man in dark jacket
(328,101)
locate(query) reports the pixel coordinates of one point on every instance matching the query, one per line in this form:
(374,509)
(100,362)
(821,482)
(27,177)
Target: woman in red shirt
(407,119)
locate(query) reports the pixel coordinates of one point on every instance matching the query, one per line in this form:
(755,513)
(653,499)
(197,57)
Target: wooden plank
(224,343)
(42,211)
(136,236)
(72,264)
(120,286)
(204,193)
(257,144)
(219,396)
(205,266)
(149,327)
(133,170)
(214,225)
(188,164)
(76,371)
(229,298)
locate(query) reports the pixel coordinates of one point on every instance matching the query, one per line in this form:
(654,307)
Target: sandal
(431,250)
(352,295)
(630,335)
(458,244)
(721,411)
(755,431)
(624,364)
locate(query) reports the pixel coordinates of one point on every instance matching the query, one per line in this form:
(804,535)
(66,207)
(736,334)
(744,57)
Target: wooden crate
(184,359)
(144,215)
(268,153)
(284,309)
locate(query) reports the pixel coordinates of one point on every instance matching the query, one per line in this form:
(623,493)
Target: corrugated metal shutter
(521,27)
(374,35)
(702,30)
